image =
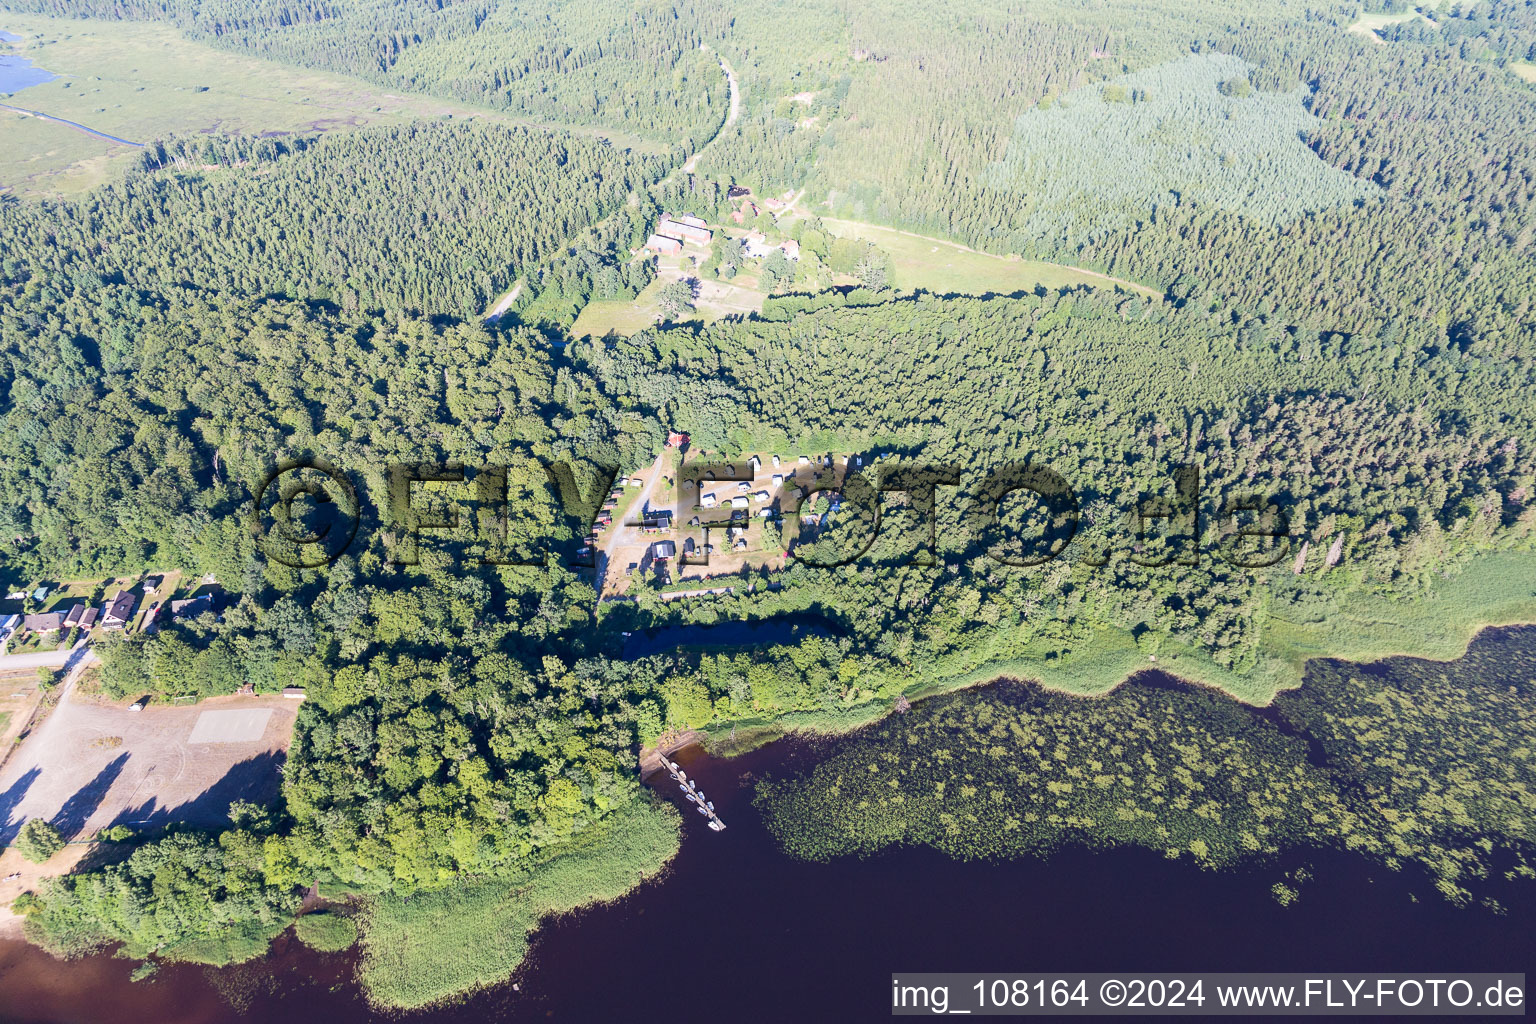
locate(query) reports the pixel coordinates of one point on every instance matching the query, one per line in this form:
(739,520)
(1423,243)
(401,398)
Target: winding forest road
(505,302)
(730,117)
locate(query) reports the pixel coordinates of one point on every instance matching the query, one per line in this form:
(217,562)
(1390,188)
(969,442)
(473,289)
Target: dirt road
(624,535)
(730,117)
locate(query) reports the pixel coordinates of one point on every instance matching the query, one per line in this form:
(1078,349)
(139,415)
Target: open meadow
(141,82)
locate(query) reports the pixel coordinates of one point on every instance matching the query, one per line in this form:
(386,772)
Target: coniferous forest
(1338,233)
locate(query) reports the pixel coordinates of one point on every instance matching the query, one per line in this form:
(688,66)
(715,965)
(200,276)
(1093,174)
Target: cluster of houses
(757,246)
(746,211)
(673,232)
(116,612)
(780,202)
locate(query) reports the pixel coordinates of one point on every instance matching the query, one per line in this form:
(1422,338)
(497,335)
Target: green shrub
(38,840)
(327,932)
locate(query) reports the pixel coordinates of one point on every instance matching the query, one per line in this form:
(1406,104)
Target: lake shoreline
(714,737)
(728,772)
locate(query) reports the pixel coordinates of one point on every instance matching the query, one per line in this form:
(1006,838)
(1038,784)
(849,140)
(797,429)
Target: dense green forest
(1342,232)
(435,216)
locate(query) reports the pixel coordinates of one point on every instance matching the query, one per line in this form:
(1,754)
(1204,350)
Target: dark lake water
(737,931)
(18,73)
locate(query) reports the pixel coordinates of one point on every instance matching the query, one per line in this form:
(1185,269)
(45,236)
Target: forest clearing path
(730,117)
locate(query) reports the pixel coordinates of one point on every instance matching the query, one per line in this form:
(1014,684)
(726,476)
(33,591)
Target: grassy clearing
(1368,23)
(1525,69)
(943,268)
(620,316)
(143,81)
(715,300)
(434,946)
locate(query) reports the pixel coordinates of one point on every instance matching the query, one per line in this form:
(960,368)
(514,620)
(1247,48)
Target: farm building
(684,232)
(663,244)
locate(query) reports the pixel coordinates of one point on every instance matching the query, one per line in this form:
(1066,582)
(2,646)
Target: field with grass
(714,300)
(620,316)
(434,946)
(141,82)
(944,268)
(1371,22)
(1525,69)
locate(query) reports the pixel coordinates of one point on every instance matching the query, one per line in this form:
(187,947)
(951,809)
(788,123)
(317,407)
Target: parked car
(139,704)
